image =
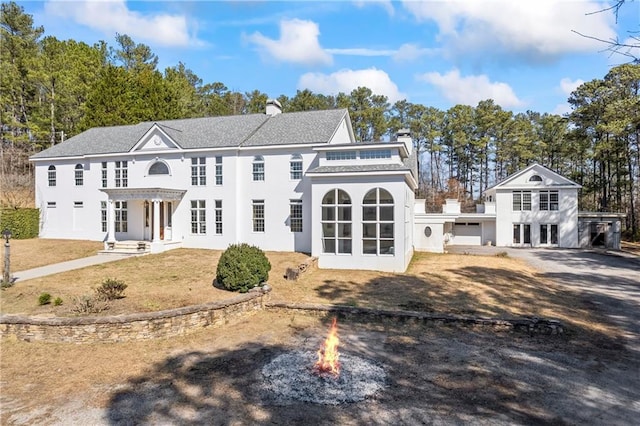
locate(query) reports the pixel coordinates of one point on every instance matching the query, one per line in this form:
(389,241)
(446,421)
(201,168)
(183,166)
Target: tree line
(52,89)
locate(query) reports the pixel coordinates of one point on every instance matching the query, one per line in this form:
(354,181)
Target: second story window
(341,155)
(258,168)
(199,171)
(295,167)
(521,200)
(104,174)
(122,174)
(548,200)
(79,175)
(51,174)
(218,170)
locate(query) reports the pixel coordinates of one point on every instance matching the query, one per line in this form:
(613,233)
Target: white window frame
(121,174)
(103,216)
(549,200)
(295,167)
(52,175)
(218,170)
(198,217)
(336,220)
(295,215)
(377,219)
(79,174)
(121,216)
(258,215)
(198,171)
(548,234)
(218,216)
(103,173)
(258,173)
(340,155)
(521,200)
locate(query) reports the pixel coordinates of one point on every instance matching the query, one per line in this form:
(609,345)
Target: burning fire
(328,356)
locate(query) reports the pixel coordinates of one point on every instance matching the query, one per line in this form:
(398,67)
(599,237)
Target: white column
(111,224)
(156,220)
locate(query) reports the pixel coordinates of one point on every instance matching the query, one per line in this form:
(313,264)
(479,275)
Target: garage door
(467,234)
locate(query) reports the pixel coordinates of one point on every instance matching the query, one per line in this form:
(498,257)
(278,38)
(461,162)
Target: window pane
(344,230)
(385,197)
(369,230)
(516,201)
(386,230)
(369,213)
(328,213)
(328,229)
(543,234)
(344,246)
(370,198)
(344,213)
(386,247)
(527,234)
(554,234)
(329,245)
(369,247)
(343,197)
(386,213)
(516,234)
(329,197)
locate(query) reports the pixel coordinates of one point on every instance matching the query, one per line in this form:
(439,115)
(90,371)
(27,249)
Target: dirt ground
(435,376)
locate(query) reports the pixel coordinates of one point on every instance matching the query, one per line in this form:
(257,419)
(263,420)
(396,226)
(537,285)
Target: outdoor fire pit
(326,377)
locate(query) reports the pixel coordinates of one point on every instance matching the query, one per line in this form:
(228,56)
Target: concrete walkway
(68,266)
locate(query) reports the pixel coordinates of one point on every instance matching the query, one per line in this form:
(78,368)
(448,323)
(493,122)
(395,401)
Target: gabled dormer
(157,138)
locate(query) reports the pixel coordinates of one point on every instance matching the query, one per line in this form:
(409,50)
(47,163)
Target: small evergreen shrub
(57,301)
(242,267)
(111,289)
(44,299)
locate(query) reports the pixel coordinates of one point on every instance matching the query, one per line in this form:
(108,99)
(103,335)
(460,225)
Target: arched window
(79,175)
(159,168)
(52,175)
(258,168)
(336,222)
(377,222)
(295,167)
(535,178)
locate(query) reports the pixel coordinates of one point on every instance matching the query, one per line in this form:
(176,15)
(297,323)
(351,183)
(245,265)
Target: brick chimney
(273,107)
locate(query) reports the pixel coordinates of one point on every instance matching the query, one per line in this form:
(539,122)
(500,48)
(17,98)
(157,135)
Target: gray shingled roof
(208,132)
(361,168)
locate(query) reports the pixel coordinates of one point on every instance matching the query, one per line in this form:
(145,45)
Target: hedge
(22,222)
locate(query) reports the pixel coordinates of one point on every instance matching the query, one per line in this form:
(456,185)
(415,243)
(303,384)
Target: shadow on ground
(434,376)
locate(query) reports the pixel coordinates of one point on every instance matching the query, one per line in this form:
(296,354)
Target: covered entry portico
(141,214)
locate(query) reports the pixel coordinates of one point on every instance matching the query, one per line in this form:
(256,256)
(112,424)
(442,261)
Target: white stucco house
(534,207)
(285,182)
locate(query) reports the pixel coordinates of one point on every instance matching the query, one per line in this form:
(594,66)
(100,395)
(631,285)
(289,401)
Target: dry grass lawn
(488,286)
(33,253)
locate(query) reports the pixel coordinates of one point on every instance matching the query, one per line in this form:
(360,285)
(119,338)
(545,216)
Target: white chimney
(273,107)
(404,136)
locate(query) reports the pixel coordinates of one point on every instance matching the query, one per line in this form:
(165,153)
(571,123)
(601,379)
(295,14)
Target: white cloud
(347,80)
(534,29)
(562,109)
(298,43)
(472,89)
(114,16)
(410,52)
(386,4)
(567,85)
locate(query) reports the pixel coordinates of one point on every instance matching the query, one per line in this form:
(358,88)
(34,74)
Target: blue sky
(523,54)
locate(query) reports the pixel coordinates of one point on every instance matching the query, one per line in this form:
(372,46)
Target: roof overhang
(124,194)
(408,177)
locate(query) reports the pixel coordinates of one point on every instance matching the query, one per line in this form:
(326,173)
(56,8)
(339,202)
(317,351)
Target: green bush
(44,299)
(242,267)
(57,301)
(111,289)
(22,222)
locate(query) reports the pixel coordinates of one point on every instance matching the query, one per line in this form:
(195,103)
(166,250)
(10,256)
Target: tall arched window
(79,175)
(336,222)
(51,174)
(258,167)
(295,167)
(159,168)
(377,222)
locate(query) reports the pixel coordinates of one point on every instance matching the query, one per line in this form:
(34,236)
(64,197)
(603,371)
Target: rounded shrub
(242,267)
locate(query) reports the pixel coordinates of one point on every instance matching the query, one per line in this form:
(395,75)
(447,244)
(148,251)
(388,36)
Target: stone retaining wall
(528,325)
(139,326)
(175,322)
